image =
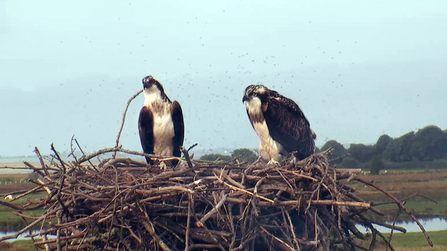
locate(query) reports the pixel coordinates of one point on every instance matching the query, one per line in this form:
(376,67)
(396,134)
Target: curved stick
(124,118)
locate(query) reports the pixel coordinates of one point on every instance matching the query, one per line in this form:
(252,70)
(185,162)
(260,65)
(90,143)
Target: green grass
(403,184)
(7,217)
(6,213)
(435,248)
(22,200)
(20,245)
(415,241)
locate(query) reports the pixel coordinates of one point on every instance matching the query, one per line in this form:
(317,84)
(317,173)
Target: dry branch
(124,119)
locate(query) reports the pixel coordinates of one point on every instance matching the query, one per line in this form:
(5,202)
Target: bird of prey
(280,124)
(160,123)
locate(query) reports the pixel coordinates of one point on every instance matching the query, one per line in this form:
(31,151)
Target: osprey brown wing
(288,126)
(179,130)
(145,127)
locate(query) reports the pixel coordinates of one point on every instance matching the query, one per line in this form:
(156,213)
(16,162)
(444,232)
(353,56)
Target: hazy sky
(357,69)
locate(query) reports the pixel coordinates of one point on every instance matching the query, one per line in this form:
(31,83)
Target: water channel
(433,224)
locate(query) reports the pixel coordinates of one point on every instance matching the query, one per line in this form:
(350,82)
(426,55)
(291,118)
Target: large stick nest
(124,204)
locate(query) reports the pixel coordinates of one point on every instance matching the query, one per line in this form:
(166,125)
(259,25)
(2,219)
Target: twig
(150,228)
(282,244)
(215,209)
(188,223)
(39,156)
(292,230)
(245,191)
(186,155)
(124,119)
(82,151)
(72,149)
(393,226)
(120,149)
(338,158)
(191,147)
(58,196)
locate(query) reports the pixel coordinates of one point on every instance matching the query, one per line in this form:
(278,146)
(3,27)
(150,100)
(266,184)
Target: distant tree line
(425,148)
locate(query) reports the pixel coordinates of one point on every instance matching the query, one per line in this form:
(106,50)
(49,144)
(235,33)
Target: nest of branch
(123,204)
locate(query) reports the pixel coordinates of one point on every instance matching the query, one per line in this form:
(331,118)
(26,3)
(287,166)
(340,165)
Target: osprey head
(151,84)
(258,91)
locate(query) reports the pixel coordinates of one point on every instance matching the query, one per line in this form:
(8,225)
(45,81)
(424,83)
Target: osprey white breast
(269,148)
(279,122)
(160,123)
(163,128)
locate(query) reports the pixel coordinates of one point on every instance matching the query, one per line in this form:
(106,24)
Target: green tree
(429,143)
(215,156)
(339,149)
(376,164)
(244,154)
(349,162)
(362,153)
(398,150)
(382,143)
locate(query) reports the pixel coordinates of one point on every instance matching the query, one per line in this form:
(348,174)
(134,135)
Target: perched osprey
(279,123)
(160,123)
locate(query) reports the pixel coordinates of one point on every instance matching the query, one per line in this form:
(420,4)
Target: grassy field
(404,184)
(22,245)
(7,218)
(11,222)
(14,176)
(415,241)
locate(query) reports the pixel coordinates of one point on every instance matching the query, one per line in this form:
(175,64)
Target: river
(433,224)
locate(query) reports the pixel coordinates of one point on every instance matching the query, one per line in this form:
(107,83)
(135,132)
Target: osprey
(280,124)
(160,123)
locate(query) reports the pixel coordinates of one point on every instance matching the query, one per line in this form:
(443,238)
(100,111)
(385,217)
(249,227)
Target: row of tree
(427,144)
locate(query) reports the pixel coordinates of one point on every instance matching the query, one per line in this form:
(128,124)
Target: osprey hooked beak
(245,98)
(149,81)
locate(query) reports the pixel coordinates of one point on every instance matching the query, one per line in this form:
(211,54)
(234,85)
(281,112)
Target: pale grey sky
(358,69)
